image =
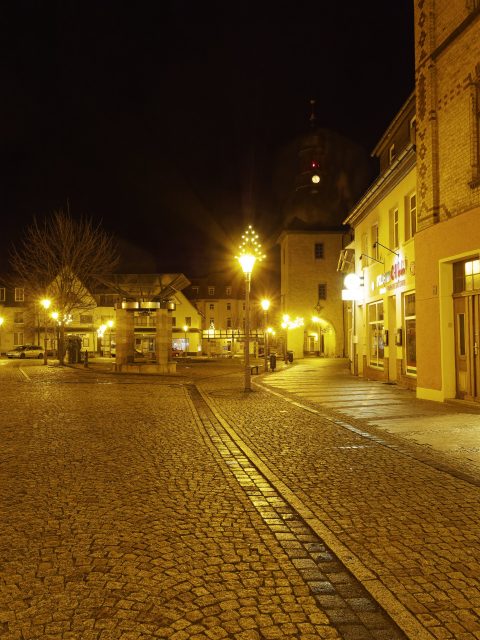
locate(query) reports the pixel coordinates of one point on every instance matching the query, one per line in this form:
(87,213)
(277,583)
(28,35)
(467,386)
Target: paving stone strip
(348,605)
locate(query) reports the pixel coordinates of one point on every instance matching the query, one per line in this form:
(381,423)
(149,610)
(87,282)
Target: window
(19,295)
(319,250)
(212,322)
(475,129)
(391,154)
(413,130)
(2,294)
(17,338)
(411,216)
(174,321)
(211,291)
(375,334)
(229,323)
(466,276)
(195,290)
(394,228)
(374,241)
(322,291)
(86,319)
(229,306)
(188,321)
(228,291)
(18,317)
(243,306)
(212,307)
(410,333)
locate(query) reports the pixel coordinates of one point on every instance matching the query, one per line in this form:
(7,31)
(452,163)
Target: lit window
(410,333)
(376,334)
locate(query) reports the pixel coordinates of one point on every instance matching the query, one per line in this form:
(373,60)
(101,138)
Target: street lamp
(46,306)
(185,331)
(250,252)
(265,306)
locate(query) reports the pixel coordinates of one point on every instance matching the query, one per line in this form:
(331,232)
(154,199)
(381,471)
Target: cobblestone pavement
(407,524)
(128,511)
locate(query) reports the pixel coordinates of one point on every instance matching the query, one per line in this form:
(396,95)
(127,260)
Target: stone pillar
(163,340)
(125,340)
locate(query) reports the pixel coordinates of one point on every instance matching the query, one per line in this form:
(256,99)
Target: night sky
(163,119)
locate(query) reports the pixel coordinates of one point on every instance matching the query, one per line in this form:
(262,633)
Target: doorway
(467,361)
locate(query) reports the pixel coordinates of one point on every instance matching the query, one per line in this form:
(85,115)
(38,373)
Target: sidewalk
(451,428)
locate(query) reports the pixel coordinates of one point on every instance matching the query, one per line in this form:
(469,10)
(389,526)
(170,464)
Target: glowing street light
(250,252)
(46,306)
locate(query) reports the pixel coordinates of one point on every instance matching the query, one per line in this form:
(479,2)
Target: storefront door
(467,361)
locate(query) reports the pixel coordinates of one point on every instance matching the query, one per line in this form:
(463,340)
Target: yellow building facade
(447,245)
(381,305)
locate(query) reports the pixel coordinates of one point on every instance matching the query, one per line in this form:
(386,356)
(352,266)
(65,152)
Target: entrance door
(467,360)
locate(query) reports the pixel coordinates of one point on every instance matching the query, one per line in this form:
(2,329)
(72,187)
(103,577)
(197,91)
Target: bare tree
(62,259)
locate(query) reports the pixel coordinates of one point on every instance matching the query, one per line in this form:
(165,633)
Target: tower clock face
(315,178)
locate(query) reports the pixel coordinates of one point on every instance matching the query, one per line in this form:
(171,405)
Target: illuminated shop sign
(392,277)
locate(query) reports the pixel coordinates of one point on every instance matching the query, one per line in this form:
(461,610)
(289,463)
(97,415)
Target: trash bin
(290,356)
(273,361)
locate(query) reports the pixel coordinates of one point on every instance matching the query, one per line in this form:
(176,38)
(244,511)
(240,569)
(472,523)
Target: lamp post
(250,252)
(265,306)
(46,305)
(185,331)
(54,316)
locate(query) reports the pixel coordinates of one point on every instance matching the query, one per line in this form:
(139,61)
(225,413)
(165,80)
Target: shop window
(410,333)
(376,334)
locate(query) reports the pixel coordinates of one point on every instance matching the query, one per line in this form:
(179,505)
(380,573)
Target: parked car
(26,351)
